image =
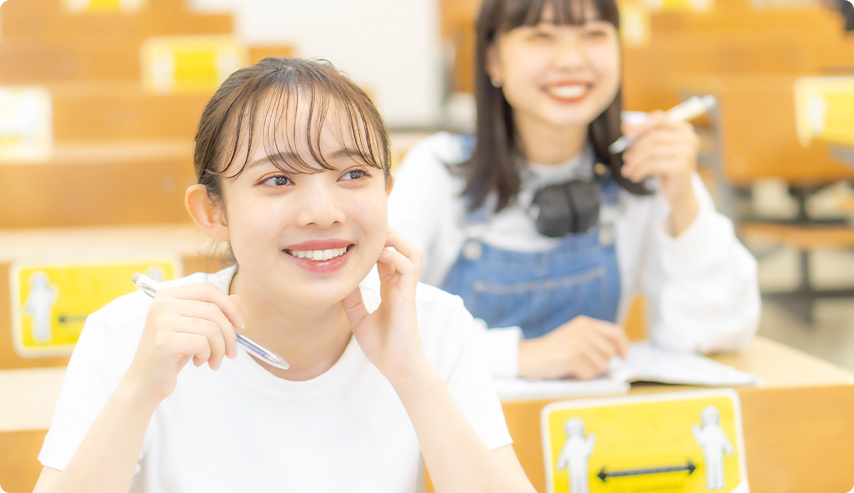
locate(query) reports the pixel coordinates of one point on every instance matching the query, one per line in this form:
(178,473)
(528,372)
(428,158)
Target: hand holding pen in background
(684,111)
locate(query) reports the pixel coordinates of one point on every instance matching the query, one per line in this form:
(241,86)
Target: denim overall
(539,291)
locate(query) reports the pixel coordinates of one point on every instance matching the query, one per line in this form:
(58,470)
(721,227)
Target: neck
(310,339)
(548,144)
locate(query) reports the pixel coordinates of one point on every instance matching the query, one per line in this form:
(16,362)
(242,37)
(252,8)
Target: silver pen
(684,111)
(149,286)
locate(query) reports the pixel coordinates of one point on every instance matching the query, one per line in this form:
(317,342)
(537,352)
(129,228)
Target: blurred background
(99,100)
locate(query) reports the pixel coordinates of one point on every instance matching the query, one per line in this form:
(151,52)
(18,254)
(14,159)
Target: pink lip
(324,244)
(567,83)
(320,266)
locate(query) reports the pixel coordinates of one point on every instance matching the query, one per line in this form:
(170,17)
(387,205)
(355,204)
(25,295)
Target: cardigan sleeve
(702,285)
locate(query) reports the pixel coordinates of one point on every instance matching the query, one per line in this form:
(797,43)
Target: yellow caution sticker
(103,6)
(824,110)
(635,29)
(686,442)
(181,64)
(51,298)
(26,122)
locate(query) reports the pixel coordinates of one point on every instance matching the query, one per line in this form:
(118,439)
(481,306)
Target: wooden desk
(797,431)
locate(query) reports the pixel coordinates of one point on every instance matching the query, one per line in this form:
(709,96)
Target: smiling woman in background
(545,234)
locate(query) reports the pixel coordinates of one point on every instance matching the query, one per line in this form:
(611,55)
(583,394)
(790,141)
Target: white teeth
(318,255)
(568,92)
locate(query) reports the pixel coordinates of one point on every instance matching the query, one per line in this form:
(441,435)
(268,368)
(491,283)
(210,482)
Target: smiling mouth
(568,92)
(319,255)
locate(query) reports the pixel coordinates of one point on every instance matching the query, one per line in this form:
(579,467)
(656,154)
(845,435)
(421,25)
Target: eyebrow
(343,152)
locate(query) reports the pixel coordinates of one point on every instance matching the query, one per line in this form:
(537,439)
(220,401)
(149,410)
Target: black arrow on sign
(604,475)
(72,319)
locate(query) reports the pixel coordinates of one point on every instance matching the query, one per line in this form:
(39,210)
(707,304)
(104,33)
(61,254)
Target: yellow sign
(51,298)
(686,442)
(103,6)
(634,23)
(190,63)
(678,5)
(824,109)
(26,122)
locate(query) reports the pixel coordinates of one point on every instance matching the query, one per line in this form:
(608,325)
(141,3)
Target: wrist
(683,212)
(415,378)
(532,361)
(129,392)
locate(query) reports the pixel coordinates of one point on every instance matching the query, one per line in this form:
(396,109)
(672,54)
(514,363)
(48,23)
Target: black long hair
(494,165)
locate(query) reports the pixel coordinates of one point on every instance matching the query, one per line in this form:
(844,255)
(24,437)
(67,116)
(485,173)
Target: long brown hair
(266,95)
(494,165)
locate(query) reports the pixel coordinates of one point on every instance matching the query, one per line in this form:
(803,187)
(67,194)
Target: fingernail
(240,322)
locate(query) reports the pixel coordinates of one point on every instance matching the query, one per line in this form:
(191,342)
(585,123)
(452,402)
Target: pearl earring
(496,82)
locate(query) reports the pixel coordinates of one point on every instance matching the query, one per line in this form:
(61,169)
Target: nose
(319,204)
(569,53)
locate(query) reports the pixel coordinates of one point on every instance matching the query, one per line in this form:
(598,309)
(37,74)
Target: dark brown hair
(494,165)
(264,98)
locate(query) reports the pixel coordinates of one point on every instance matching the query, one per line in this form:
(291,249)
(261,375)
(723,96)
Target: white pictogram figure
(715,444)
(576,450)
(39,304)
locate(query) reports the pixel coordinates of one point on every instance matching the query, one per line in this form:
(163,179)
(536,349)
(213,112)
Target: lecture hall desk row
(798,433)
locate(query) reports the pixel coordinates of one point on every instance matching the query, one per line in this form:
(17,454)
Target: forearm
(457,459)
(107,457)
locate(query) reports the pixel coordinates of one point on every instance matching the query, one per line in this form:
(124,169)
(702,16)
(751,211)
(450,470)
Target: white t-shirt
(701,288)
(243,429)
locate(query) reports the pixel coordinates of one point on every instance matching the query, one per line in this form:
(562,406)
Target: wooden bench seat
(801,237)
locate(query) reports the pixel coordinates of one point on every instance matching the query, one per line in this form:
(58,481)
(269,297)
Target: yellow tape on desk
(682,442)
(52,297)
(176,64)
(26,122)
(824,109)
(103,6)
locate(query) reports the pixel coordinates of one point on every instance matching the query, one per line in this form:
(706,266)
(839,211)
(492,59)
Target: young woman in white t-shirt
(544,232)
(293,166)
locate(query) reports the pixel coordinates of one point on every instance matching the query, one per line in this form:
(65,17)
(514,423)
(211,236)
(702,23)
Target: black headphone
(570,207)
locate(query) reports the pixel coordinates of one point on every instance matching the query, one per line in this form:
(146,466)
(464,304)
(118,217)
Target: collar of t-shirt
(246,369)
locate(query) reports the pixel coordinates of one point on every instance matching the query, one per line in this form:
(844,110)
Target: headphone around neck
(569,207)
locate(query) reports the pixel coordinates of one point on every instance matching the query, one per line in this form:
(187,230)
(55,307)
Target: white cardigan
(701,288)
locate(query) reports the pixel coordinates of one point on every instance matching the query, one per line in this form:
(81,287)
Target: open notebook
(645,363)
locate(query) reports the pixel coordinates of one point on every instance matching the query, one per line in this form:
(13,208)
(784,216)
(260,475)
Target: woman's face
(307,238)
(558,75)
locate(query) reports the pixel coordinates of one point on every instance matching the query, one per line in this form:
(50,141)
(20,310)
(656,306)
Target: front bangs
(564,12)
(288,121)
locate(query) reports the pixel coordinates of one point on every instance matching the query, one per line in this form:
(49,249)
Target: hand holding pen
(685,111)
(193,321)
(665,147)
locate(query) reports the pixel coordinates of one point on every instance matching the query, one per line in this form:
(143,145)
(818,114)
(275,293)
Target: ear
(493,63)
(389,185)
(208,214)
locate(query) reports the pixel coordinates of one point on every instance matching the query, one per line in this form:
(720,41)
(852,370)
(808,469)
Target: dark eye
(597,30)
(355,174)
(278,181)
